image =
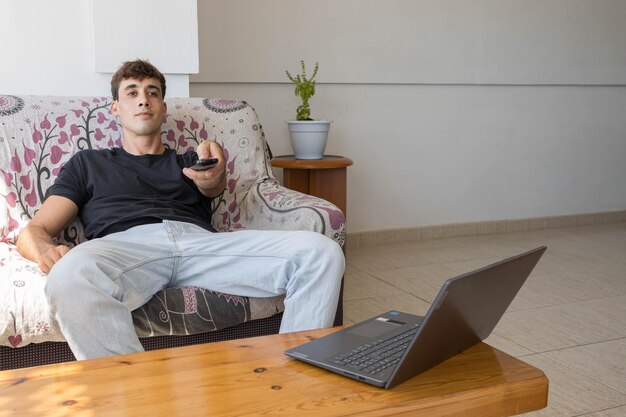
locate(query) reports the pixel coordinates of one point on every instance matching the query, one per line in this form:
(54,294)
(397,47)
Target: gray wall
(453,111)
(416,41)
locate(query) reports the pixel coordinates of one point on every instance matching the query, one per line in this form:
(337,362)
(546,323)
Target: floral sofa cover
(38,134)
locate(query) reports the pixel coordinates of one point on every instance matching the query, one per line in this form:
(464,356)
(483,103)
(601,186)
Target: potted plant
(308,136)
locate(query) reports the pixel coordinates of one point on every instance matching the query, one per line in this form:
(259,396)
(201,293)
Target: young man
(146,215)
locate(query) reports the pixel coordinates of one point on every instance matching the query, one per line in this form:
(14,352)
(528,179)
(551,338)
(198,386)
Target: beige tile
(507,346)
(362,309)
(605,234)
(606,281)
(436,251)
(472,264)
(440,251)
(421,281)
(557,261)
(558,327)
(431,251)
(546,289)
(359,284)
(467,248)
(611,311)
(611,412)
(570,392)
(429,244)
(605,362)
(497,245)
(554,239)
(384,258)
(366,262)
(579,264)
(608,254)
(463,250)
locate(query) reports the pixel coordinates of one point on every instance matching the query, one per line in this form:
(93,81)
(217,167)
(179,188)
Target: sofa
(38,134)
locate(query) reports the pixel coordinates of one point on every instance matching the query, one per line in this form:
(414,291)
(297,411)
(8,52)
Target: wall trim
(373,238)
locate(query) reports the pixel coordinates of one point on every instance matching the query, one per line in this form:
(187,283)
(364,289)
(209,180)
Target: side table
(324,178)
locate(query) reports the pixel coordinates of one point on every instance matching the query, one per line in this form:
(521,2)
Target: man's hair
(139,69)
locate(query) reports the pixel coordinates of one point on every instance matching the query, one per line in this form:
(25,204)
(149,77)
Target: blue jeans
(94,287)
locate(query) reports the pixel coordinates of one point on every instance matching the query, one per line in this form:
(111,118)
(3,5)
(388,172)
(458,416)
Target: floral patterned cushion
(191,310)
(38,134)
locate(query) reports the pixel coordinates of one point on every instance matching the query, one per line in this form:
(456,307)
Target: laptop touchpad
(375,328)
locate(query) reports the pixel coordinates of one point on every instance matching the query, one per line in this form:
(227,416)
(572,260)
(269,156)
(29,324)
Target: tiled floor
(569,319)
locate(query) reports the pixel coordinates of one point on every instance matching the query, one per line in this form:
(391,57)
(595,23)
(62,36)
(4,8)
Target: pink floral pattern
(38,134)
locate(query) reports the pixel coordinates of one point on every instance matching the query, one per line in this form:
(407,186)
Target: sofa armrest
(270,206)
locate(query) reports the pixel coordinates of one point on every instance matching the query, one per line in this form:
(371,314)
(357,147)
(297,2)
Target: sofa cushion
(191,310)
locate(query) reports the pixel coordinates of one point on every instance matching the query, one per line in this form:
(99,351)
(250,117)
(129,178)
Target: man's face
(140,107)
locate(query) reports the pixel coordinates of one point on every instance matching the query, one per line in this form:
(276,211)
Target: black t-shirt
(115,190)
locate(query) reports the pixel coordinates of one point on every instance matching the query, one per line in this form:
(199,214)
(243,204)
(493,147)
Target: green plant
(305,88)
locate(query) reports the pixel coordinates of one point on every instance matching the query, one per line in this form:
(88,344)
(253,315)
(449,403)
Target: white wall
(416,41)
(47,47)
(425,151)
(428,153)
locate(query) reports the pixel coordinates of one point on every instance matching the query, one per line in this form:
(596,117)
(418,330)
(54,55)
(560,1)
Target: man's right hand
(52,256)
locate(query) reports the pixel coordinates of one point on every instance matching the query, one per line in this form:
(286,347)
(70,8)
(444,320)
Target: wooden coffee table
(251,377)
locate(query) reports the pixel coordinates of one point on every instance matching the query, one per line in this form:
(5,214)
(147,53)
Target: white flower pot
(308,138)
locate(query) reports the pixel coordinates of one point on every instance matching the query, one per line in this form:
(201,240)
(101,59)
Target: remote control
(203,164)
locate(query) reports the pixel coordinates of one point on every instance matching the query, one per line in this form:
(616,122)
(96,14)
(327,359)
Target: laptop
(390,348)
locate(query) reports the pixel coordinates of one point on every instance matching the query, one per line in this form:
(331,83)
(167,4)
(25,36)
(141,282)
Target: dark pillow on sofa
(190,310)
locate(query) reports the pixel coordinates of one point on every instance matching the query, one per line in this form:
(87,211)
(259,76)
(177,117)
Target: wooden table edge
(289,162)
(529,387)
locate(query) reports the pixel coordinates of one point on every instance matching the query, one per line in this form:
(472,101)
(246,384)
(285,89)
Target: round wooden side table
(324,178)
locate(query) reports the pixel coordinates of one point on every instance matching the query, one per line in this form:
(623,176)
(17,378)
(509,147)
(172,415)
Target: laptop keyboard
(376,356)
